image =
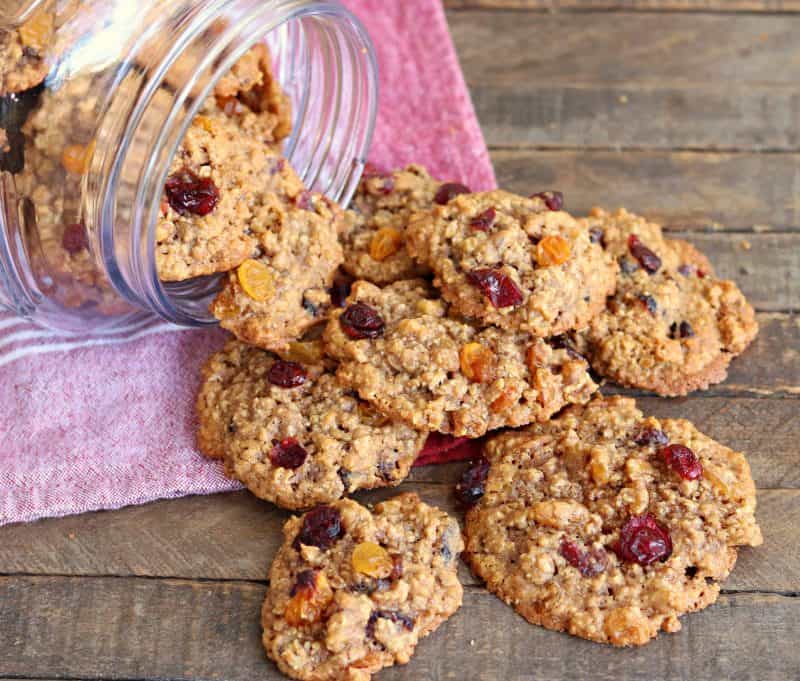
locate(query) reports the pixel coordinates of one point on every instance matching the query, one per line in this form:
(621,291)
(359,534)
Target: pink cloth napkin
(108,421)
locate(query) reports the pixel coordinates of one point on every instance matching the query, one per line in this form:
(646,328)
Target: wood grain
(156,629)
(632,5)
(683,190)
(234,537)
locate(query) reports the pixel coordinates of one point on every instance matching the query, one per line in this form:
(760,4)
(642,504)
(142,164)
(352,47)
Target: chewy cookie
(513,261)
(374,249)
(294,436)
(672,327)
(401,353)
(273,297)
(352,591)
(607,524)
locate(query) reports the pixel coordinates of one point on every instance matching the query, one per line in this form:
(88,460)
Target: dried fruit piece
(472,485)
(683,461)
(322,527)
(552,250)
(597,236)
(484,221)
(682,330)
(554,200)
(563,342)
(342,284)
(361,321)
(642,540)
(387,241)
(287,374)
(372,559)
(590,562)
(288,453)
(644,256)
(650,436)
(405,620)
(448,191)
(37,32)
(311,596)
(649,303)
(303,200)
(76,158)
(256,280)
(498,287)
(189,193)
(74,240)
(477,363)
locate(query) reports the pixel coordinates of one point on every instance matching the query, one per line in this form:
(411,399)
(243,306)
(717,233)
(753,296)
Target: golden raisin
(552,250)
(373,560)
(204,122)
(477,363)
(256,280)
(311,597)
(37,32)
(76,158)
(308,352)
(387,241)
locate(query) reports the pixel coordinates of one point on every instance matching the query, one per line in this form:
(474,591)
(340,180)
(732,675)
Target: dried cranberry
(189,193)
(342,283)
(642,540)
(361,321)
(649,302)
(646,258)
(322,527)
(563,342)
(472,485)
(597,235)
(288,453)
(405,620)
(448,191)
(683,461)
(74,239)
(287,374)
(552,199)
(484,221)
(590,563)
(701,274)
(650,436)
(498,287)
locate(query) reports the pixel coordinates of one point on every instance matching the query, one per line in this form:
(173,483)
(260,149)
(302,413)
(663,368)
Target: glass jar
(84,154)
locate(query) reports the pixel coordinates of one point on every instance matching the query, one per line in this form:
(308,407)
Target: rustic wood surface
(685,110)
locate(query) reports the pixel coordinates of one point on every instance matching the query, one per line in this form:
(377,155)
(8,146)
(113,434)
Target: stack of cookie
(464,314)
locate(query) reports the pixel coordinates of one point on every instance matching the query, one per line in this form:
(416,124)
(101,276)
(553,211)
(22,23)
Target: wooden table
(692,117)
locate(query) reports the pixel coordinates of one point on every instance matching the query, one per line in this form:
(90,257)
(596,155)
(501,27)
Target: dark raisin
(342,284)
(589,562)
(642,540)
(321,527)
(286,374)
(554,200)
(683,461)
(484,221)
(74,239)
(645,257)
(563,342)
(597,236)
(448,191)
(498,287)
(685,330)
(405,620)
(189,193)
(649,437)
(472,485)
(649,303)
(361,321)
(307,579)
(288,453)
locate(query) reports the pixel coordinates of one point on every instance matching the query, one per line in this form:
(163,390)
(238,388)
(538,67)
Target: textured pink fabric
(109,425)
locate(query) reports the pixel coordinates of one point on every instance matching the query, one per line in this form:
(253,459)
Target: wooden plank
(154,629)
(632,5)
(234,537)
(683,190)
(674,81)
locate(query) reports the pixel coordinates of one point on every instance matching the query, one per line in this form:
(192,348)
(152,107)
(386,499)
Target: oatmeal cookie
(353,591)
(374,249)
(23,53)
(222,185)
(513,262)
(400,352)
(274,297)
(292,434)
(672,327)
(607,524)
